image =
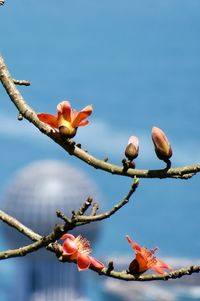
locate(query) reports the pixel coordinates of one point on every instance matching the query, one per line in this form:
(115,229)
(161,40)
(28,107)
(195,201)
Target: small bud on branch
(132,149)
(162,146)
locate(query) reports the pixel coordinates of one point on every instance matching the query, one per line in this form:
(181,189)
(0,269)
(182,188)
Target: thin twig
(99,217)
(63,217)
(21,82)
(85,206)
(95,207)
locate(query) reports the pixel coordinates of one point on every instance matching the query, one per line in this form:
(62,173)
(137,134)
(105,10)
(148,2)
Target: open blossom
(132,149)
(67,119)
(162,146)
(78,248)
(145,260)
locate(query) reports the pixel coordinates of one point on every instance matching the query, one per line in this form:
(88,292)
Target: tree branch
(39,241)
(14,223)
(28,113)
(49,242)
(151,277)
(102,216)
(125,276)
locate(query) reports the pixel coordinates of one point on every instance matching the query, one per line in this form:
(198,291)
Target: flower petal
(64,109)
(67,235)
(132,149)
(84,122)
(164,265)
(135,246)
(96,263)
(158,269)
(143,262)
(49,119)
(69,247)
(134,140)
(83,261)
(83,114)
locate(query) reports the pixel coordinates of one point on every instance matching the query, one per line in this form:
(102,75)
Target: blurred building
(33,196)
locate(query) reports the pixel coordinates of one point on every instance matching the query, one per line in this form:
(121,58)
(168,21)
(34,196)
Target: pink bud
(132,149)
(162,146)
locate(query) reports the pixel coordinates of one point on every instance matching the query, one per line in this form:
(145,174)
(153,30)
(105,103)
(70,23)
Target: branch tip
(63,216)
(95,207)
(85,206)
(21,82)
(20,117)
(110,267)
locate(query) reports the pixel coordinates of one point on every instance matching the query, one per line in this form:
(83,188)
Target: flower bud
(132,149)
(67,132)
(162,146)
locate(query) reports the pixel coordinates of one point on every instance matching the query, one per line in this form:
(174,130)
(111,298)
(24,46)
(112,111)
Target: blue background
(138,63)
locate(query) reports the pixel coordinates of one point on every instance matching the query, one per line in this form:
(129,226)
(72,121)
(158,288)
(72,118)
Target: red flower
(78,248)
(145,260)
(162,146)
(132,149)
(67,119)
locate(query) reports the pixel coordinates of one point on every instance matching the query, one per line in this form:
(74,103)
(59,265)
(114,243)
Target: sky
(138,64)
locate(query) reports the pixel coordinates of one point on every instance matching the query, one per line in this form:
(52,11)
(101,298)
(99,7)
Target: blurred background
(138,64)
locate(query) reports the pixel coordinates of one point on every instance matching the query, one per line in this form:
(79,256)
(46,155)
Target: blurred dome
(38,190)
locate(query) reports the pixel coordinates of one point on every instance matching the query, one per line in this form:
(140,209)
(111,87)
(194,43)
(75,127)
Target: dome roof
(38,190)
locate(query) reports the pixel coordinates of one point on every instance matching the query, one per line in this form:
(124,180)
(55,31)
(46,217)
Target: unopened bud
(132,149)
(162,146)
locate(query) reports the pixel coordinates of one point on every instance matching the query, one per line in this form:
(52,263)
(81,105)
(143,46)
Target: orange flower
(78,248)
(67,119)
(145,260)
(162,146)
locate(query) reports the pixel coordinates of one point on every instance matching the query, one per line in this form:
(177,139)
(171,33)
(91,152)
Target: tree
(61,133)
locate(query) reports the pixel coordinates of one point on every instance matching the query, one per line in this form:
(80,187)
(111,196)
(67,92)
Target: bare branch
(40,241)
(21,82)
(13,222)
(95,208)
(94,218)
(18,100)
(63,217)
(22,251)
(85,206)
